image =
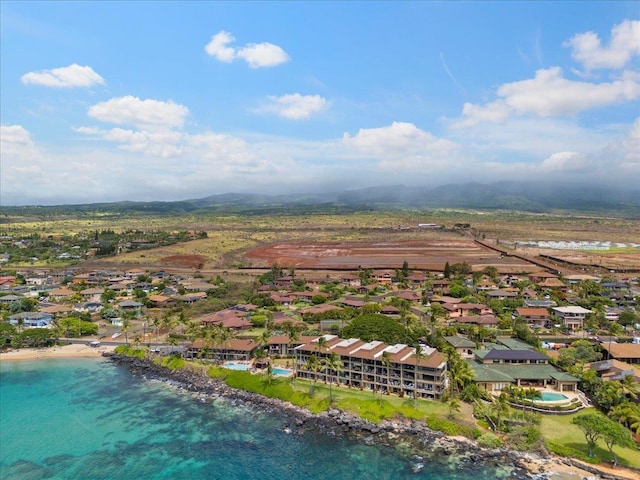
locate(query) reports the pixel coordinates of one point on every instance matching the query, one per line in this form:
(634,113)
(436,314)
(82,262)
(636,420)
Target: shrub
(489,440)
(130,351)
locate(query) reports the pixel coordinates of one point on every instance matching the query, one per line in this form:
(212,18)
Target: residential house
(31,319)
(625,352)
(462,345)
(535,317)
(572,316)
(458,310)
(613,370)
(496,368)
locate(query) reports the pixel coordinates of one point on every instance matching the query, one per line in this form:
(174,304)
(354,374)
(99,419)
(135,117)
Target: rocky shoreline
(415,439)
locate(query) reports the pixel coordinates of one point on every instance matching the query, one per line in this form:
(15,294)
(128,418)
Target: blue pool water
(553,397)
(235,366)
(282,371)
(89,419)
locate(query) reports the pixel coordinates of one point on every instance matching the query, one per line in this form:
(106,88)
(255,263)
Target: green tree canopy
(374,326)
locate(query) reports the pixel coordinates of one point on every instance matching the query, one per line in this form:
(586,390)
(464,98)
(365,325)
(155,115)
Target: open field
(420,254)
(329,240)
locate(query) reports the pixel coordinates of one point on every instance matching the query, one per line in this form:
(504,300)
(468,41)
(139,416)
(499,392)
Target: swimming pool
(283,372)
(236,366)
(552,397)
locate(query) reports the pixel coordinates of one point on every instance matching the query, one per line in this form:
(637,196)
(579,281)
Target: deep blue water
(89,419)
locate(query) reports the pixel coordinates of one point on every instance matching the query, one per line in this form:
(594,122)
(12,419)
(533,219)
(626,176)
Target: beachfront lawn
(566,439)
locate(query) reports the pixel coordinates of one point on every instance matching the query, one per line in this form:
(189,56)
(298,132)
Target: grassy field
(564,438)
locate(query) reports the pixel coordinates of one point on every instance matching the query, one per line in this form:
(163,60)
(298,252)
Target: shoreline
(422,442)
(74,350)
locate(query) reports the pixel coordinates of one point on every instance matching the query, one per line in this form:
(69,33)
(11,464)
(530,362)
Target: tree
(126,326)
(593,426)
(447,270)
(616,434)
(374,326)
(386,361)
(332,364)
(454,407)
(312,365)
(418,356)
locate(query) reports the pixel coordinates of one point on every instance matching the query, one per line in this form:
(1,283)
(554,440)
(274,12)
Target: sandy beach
(66,351)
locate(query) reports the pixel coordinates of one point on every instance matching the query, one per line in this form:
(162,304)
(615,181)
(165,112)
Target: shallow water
(89,419)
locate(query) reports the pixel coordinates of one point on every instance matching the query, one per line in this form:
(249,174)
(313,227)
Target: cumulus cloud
(257,55)
(566,162)
(146,114)
(295,106)
(217,47)
(65,77)
(550,94)
(403,146)
(159,143)
(587,49)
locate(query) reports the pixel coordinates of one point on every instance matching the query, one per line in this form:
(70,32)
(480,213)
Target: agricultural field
(376,239)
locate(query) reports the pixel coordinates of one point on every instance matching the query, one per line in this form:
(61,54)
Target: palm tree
(386,361)
(460,372)
(126,326)
(330,364)
(418,355)
(454,407)
(630,387)
(156,323)
(500,408)
(312,365)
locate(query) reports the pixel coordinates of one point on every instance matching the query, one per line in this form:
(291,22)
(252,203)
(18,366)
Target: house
(8,299)
(61,293)
(130,305)
(535,317)
(500,294)
(227,318)
(410,295)
(489,321)
(376,366)
(457,310)
(613,370)
(572,316)
(496,368)
(625,352)
(350,280)
(383,277)
(161,301)
(462,345)
(416,278)
(92,293)
(31,319)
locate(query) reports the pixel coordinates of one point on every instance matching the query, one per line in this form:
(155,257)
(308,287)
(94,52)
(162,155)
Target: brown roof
(479,319)
(622,350)
(238,344)
(526,312)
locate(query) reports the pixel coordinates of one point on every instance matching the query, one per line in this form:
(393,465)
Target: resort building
(376,366)
(31,319)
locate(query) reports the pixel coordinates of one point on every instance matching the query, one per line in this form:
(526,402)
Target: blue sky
(108,101)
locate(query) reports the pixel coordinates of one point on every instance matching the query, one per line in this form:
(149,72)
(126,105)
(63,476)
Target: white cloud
(65,77)
(295,106)
(566,162)
(587,48)
(550,94)
(257,55)
(263,55)
(217,47)
(159,143)
(404,146)
(146,114)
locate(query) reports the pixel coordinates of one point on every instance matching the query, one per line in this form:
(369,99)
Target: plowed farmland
(427,255)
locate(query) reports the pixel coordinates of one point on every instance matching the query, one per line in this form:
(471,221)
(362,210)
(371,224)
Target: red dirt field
(185,261)
(423,255)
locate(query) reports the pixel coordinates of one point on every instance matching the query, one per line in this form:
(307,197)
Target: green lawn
(562,437)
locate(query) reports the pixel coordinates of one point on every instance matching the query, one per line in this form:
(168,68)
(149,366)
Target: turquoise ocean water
(89,419)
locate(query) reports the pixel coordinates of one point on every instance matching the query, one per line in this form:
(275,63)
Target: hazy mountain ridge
(521,196)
